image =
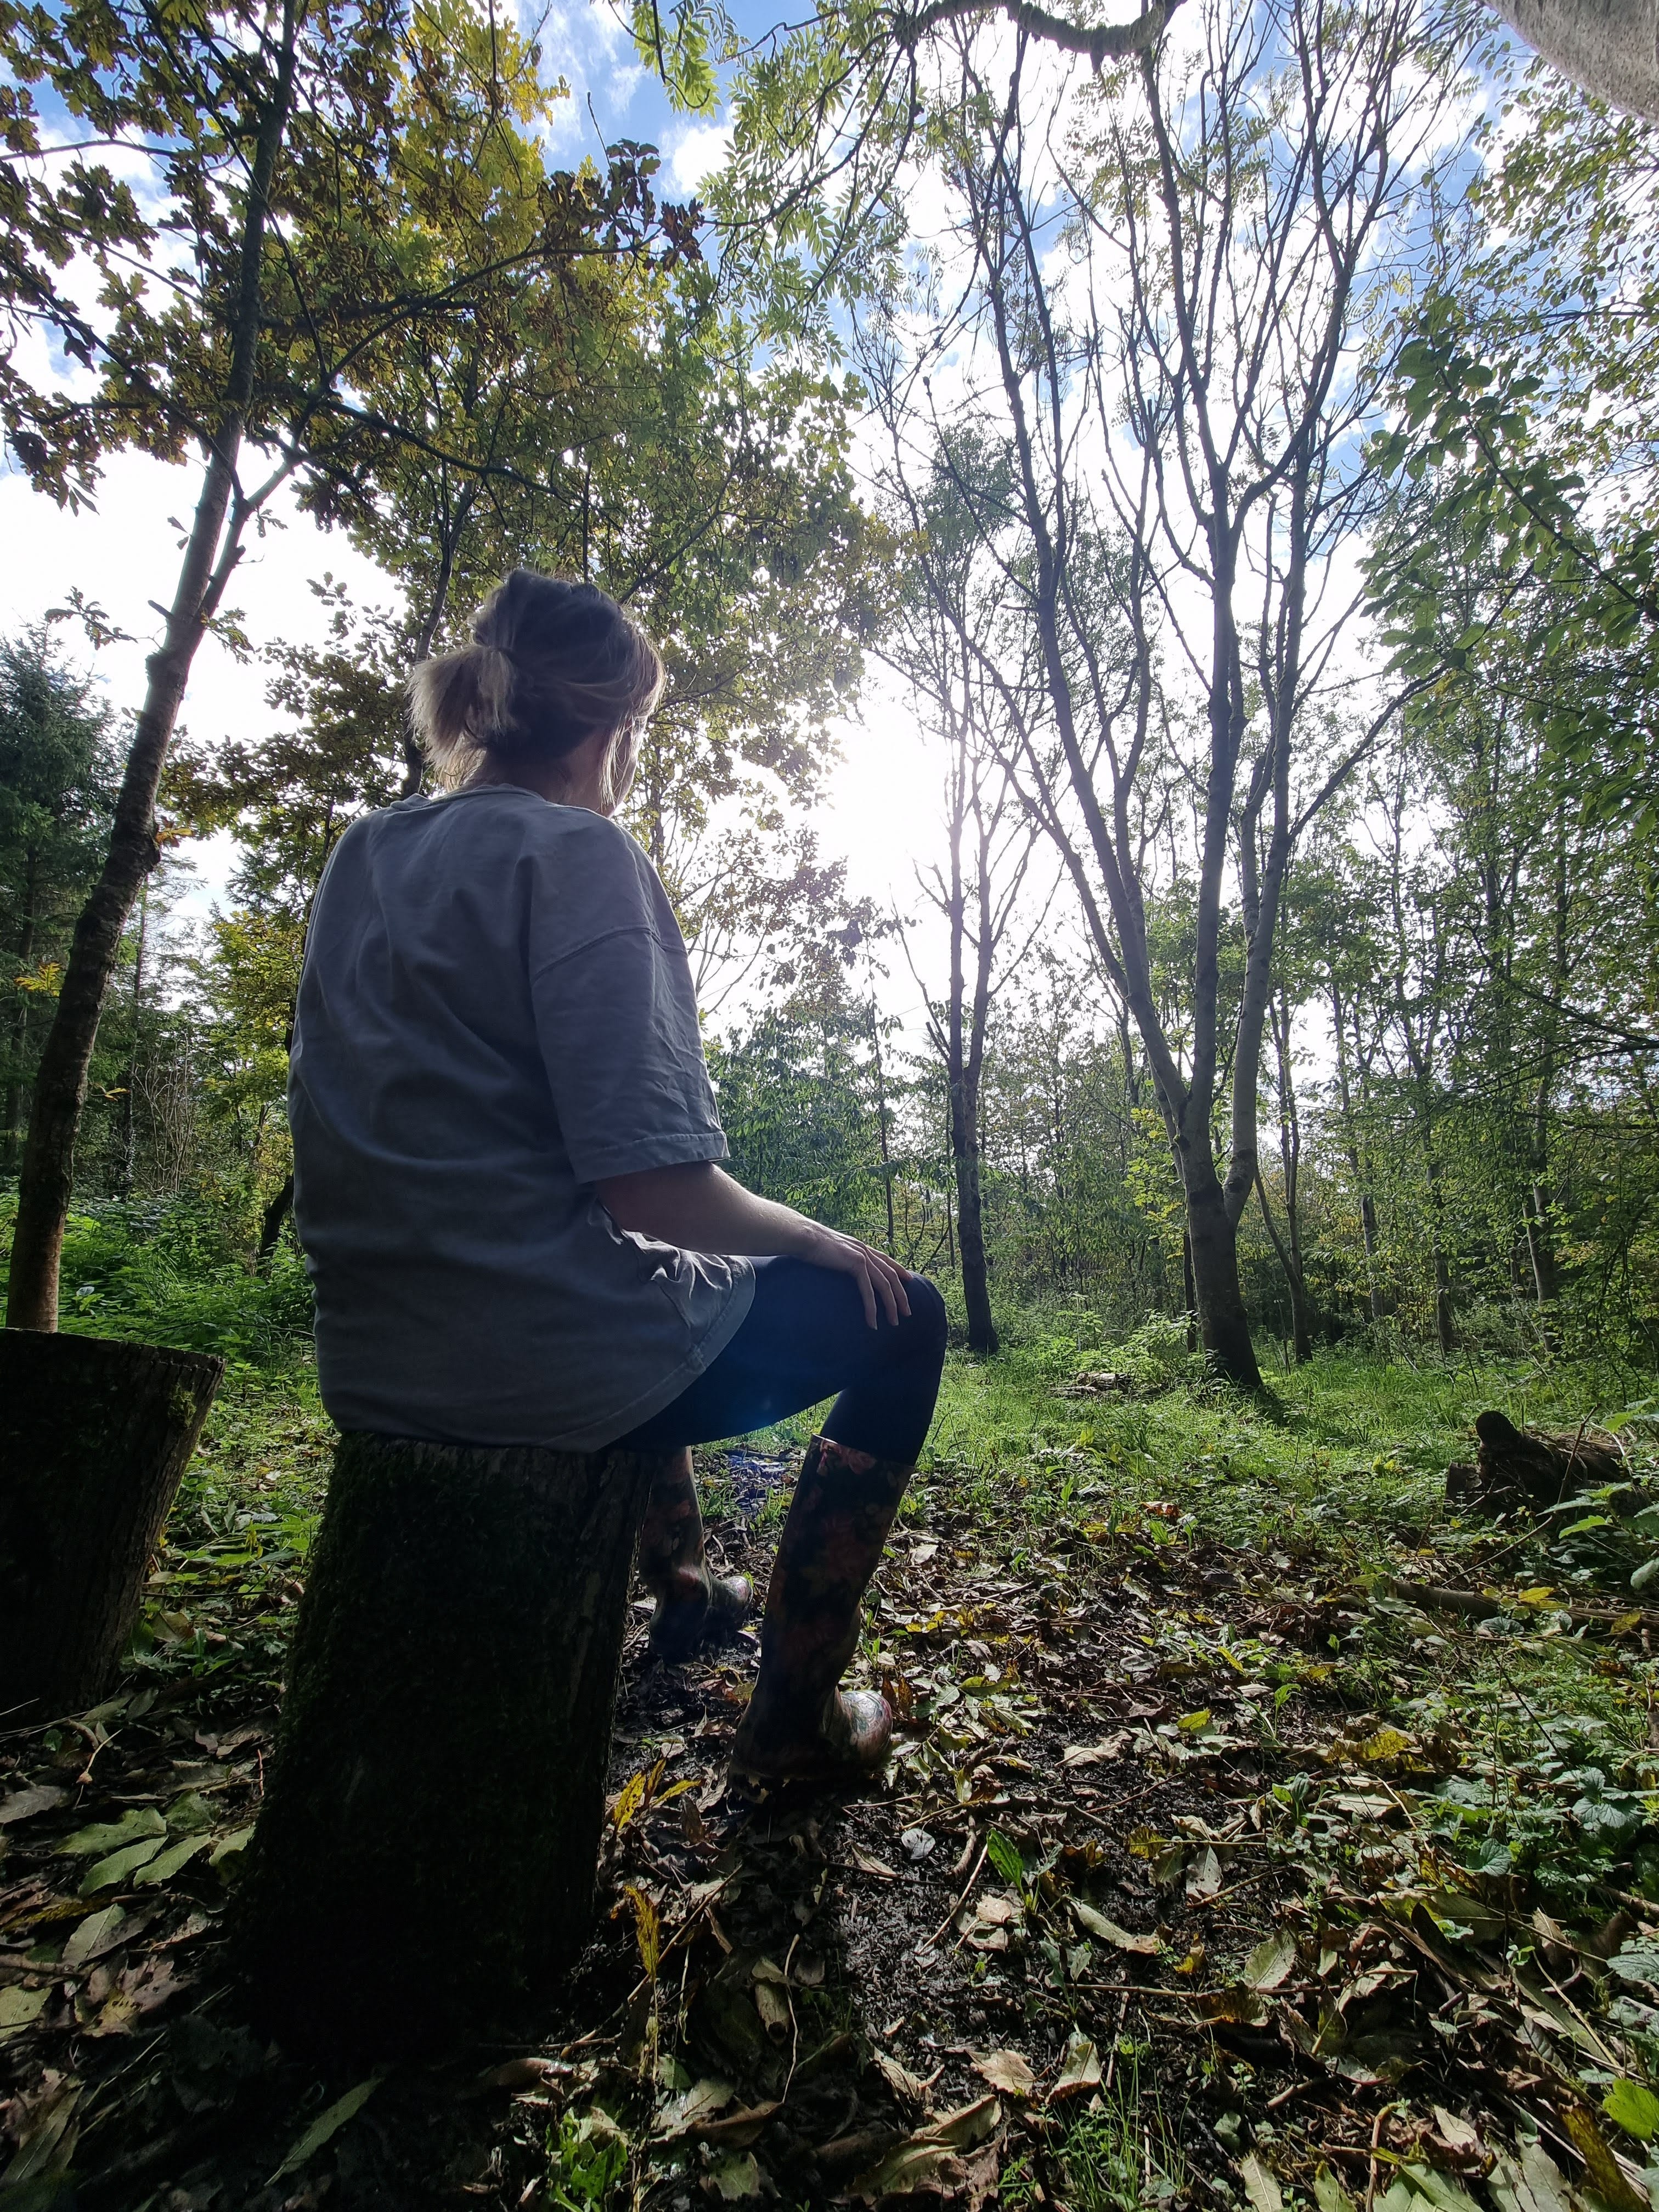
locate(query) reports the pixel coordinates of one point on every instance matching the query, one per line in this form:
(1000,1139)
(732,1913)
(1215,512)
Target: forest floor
(1211,1871)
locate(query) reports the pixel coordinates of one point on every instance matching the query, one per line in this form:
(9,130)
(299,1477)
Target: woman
(505,1182)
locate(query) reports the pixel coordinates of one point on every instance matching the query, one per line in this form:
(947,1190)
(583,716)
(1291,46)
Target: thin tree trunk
(125,1162)
(211,552)
(1289,1262)
(276,1211)
(881,1123)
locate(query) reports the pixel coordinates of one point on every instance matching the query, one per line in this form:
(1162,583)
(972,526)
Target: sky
(882,812)
(883,796)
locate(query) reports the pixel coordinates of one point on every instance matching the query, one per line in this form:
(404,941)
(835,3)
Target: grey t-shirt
(495,1013)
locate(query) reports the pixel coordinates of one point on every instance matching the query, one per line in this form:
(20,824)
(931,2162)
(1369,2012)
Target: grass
(1236,1547)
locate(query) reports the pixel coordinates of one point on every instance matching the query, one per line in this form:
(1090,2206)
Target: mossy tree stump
(94,1435)
(424,1859)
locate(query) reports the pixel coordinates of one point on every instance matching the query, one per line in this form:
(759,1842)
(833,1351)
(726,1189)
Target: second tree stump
(425,1856)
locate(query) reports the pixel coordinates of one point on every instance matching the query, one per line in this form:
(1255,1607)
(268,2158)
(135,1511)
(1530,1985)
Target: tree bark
(46,1182)
(276,1211)
(425,1856)
(1223,1329)
(1610,47)
(94,1438)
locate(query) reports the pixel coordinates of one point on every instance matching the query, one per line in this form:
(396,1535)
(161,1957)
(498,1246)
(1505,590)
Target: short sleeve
(616,1018)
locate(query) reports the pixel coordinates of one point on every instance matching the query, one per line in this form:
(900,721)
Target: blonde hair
(552,663)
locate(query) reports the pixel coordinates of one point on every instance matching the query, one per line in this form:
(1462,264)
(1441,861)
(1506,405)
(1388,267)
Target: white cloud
(698,153)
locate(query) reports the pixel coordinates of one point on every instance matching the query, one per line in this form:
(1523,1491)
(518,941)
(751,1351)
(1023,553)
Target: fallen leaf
(1234,2006)
(917,1845)
(700,2102)
(45,2139)
(107,1836)
(520,2076)
(932,2159)
(1535,2184)
(1146,1947)
(906,2086)
(98,1933)
(736,2177)
(1096,1754)
(327,2125)
(1204,1875)
(228,1846)
(1330,2194)
(1271,1961)
(164,1867)
(866,1864)
(738,2129)
(1259,2186)
(1440,2192)
(998,1911)
(1457,2134)
(1007,2071)
(18,2006)
(1080,2068)
(109,1873)
(189,1814)
(24,1804)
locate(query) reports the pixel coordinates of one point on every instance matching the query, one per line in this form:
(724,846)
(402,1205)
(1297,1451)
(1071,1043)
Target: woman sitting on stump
(505,1146)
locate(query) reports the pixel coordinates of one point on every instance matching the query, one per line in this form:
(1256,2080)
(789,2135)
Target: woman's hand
(881,1281)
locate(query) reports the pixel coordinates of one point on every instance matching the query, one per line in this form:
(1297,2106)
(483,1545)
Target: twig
(1371,2170)
(967,1891)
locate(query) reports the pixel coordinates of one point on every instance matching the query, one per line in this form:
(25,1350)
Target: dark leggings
(804,1337)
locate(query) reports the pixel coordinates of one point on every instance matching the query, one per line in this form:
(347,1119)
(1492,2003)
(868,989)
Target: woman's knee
(930,1325)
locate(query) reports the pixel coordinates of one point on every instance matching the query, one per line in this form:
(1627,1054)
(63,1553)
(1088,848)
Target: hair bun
(552,664)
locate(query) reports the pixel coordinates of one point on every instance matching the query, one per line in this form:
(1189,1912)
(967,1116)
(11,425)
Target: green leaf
(1330,2194)
(1633,2108)
(327,2125)
(1636,1962)
(115,1869)
(163,1868)
(18,2006)
(107,1836)
(1005,1857)
(1271,1961)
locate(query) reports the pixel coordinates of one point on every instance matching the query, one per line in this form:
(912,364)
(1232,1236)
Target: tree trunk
(970,1223)
(424,1860)
(1610,47)
(94,1438)
(1223,1328)
(212,551)
(276,1211)
(1290,1261)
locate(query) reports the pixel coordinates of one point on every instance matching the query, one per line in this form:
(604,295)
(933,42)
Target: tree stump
(1531,1467)
(94,1437)
(424,1860)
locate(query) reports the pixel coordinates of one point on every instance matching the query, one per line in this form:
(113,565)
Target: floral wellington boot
(691,1603)
(799,1724)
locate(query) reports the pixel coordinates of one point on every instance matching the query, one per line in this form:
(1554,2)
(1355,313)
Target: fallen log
(1482,1605)
(424,1860)
(1531,1467)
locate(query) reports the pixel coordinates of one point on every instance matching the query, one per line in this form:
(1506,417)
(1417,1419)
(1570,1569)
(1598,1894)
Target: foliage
(58,777)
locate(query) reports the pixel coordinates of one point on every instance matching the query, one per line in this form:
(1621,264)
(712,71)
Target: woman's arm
(700,1209)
